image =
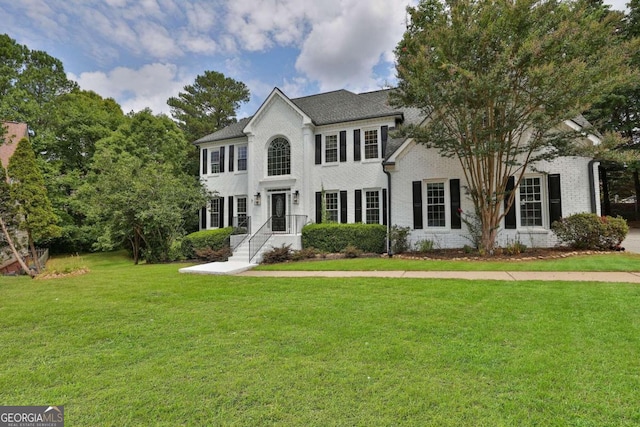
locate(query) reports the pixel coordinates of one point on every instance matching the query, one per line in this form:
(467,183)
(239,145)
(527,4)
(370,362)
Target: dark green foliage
(306,253)
(277,255)
(351,252)
(399,237)
(200,240)
(214,255)
(590,231)
(336,237)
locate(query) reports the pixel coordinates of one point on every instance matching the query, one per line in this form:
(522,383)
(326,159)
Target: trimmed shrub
(277,255)
(212,255)
(351,252)
(334,238)
(590,231)
(212,239)
(306,253)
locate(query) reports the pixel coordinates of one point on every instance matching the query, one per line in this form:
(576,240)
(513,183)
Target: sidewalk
(516,276)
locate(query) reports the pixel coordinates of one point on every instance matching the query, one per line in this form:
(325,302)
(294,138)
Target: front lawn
(145,345)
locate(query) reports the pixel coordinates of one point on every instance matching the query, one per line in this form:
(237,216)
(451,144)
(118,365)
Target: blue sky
(141,52)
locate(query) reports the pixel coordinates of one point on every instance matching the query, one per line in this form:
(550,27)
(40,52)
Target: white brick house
(270,171)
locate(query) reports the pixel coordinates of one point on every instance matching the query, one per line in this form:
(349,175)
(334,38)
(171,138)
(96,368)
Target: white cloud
(147,87)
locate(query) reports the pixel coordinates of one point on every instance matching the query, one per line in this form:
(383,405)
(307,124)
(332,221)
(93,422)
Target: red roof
(14,133)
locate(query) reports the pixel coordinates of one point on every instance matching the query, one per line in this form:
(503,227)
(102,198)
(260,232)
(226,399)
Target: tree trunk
(14,250)
(34,255)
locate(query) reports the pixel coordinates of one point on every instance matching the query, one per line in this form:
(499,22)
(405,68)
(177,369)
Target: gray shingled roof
(234,130)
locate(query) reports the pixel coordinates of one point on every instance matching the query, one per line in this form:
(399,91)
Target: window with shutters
(372,207)
(215,161)
(241,209)
(530,196)
(279,157)
(332,206)
(331,149)
(436,204)
(215,212)
(242,158)
(371,144)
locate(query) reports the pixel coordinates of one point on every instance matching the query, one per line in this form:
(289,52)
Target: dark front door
(278,212)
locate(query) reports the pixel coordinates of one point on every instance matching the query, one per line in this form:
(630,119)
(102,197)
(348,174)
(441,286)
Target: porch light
(257,198)
(296,197)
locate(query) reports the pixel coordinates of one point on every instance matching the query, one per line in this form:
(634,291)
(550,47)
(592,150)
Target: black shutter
(221,223)
(384,206)
(203,218)
(510,218)
(230,220)
(454,195)
(318,149)
(318,207)
(356,145)
(343,146)
(343,207)
(358,204)
(221,159)
(384,135)
(231,155)
(417,205)
(205,161)
(555,198)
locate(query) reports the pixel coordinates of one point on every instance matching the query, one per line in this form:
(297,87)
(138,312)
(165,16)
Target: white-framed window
(241,209)
(215,160)
(530,195)
(215,212)
(332,206)
(371,144)
(372,206)
(331,149)
(436,204)
(279,157)
(242,158)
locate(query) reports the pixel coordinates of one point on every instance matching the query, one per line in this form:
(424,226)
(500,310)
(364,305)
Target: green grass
(599,262)
(143,345)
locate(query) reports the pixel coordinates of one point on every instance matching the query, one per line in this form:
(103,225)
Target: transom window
(215,212)
(331,149)
(372,205)
(371,144)
(331,206)
(279,157)
(531,202)
(436,214)
(215,161)
(242,158)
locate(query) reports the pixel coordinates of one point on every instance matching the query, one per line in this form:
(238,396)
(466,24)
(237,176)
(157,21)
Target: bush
(213,255)
(212,239)
(590,231)
(351,252)
(334,238)
(276,255)
(425,246)
(306,253)
(399,237)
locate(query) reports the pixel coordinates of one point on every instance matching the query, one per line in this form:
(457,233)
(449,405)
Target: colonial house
(271,171)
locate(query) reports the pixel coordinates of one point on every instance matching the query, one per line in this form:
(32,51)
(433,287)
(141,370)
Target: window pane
(242,158)
(331,149)
(215,161)
(279,157)
(531,202)
(372,207)
(242,211)
(370,144)
(215,212)
(331,205)
(436,212)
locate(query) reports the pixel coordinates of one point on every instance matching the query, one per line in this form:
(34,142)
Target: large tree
(35,213)
(208,105)
(8,221)
(496,77)
(138,191)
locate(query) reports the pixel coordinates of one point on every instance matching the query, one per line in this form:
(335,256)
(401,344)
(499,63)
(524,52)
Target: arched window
(279,157)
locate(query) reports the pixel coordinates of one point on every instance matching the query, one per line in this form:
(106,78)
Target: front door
(278,212)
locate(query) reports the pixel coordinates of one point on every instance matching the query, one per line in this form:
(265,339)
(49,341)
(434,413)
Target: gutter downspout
(389,252)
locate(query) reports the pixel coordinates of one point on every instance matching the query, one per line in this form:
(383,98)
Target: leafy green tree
(138,192)
(28,192)
(496,77)
(208,105)
(8,220)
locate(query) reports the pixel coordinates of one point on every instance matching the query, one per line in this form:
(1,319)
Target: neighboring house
(13,133)
(271,170)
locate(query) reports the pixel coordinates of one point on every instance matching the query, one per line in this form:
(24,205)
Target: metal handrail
(293,225)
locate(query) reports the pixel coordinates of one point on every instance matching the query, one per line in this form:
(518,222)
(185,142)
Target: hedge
(211,239)
(334,238)
(590,231)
